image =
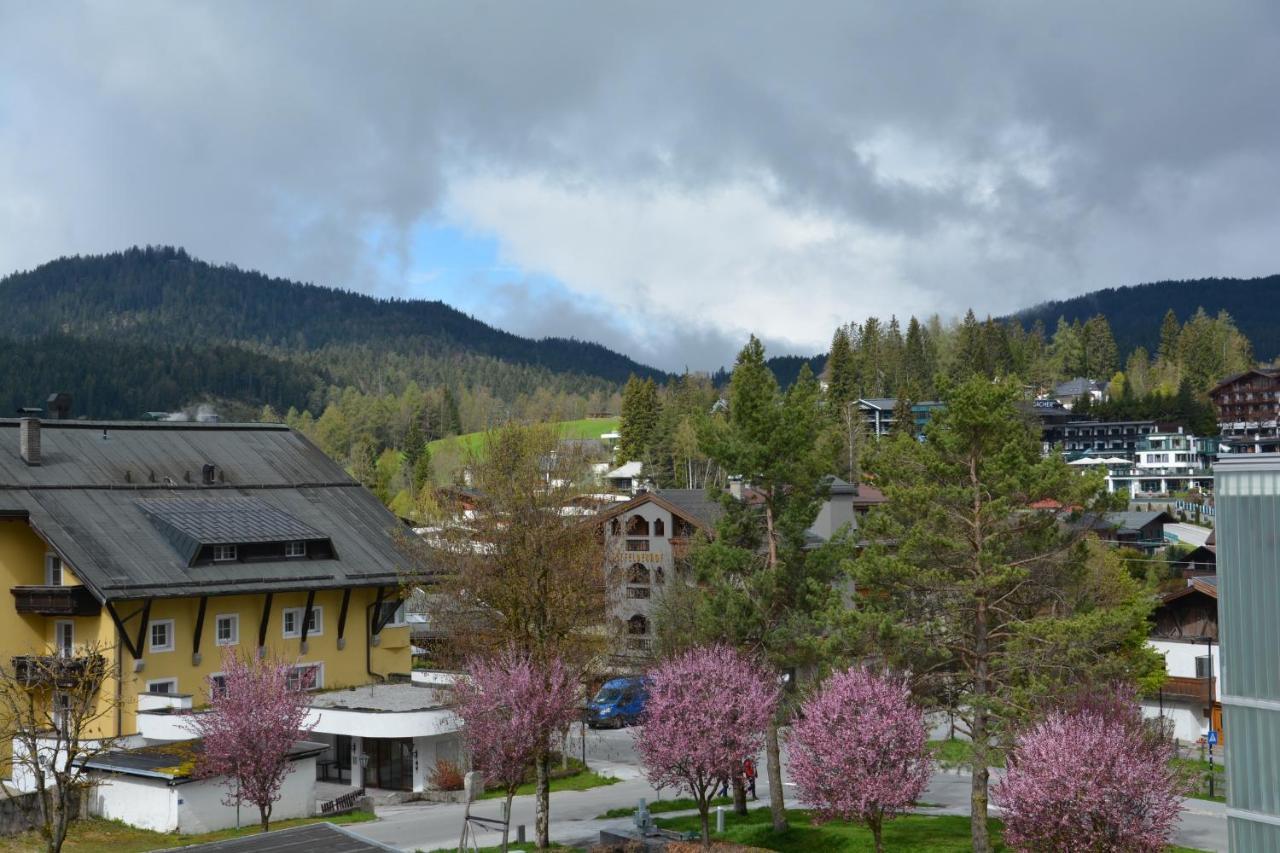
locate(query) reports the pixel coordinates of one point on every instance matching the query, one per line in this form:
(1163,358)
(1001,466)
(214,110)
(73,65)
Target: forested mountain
(154,328)
(1134,312)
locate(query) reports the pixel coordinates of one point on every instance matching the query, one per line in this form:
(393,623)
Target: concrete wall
(144,803)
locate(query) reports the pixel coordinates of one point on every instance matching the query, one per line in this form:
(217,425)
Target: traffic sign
(1212,737)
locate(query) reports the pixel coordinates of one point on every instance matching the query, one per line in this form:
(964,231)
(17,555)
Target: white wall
(195,807)
(201,810)
(137,801)
(1180,657)
(1186,722)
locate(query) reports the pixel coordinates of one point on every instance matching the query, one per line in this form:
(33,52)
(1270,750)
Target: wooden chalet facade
(1248,407)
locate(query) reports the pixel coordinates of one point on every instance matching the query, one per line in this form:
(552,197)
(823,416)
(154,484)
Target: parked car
(618,703)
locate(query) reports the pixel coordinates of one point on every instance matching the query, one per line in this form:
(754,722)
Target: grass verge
(93,835)
(955,753)
(908,834)
(679,804)
(579,781)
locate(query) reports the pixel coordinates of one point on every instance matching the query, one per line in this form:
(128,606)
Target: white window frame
(317,617)
(151,636)
(50,560)
(318,666)
(211,680)
(69,648)
(225,553)
(235,629)
(289,549)
(151,685)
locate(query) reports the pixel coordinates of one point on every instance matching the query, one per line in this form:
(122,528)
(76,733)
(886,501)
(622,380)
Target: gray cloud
(825,160)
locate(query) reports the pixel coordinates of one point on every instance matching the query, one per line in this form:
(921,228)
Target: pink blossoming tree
(1096,777)
(859,752)
(255,716)
(512,709)
(707,710)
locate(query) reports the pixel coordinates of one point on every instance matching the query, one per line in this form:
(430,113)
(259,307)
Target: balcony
(640,644)
(62,671)
(1197,691)
(55,600)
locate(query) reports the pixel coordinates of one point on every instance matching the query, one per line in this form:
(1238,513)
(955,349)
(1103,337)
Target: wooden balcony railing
(55,600)
(1178,688)
(63,671)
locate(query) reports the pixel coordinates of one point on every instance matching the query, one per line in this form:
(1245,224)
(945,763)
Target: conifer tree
(992,605)
(1169,332)
(761,588)
(918,366)
(841,370)
(640,413)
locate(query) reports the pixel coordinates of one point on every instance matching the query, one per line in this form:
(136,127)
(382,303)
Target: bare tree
(54,711)
(522,570)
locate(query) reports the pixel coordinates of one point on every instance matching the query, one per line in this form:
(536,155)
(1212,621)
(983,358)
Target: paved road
(424,826)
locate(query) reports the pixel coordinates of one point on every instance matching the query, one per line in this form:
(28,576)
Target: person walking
(749,774)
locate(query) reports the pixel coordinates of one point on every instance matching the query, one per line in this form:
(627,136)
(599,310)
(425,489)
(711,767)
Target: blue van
(618,703)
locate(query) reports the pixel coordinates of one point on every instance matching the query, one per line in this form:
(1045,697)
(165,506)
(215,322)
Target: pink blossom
(707,711)
(511,709)
(254,719)
(858,753)
(1093,778)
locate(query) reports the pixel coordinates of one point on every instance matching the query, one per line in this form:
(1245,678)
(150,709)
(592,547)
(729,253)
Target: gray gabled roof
(88,498)
(190,523)
(695,503)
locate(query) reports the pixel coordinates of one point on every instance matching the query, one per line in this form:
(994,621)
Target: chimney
(29,440)
(735,488)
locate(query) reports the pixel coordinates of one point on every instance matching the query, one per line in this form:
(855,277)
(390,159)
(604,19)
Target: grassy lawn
(584,428)
(679,804)
(955,753)
(909,834)
(579,781)
(1198,772)
(93,835)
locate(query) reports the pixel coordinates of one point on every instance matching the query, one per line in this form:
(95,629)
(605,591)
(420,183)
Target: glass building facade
(1247,491)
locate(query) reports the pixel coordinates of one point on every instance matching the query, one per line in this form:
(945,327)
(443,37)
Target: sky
(662,177)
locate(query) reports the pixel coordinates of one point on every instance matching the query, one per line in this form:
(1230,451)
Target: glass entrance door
(390,763)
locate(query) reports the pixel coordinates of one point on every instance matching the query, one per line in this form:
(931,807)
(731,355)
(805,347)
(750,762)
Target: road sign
(1212,737)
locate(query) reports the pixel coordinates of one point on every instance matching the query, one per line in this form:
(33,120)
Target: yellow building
(171,544)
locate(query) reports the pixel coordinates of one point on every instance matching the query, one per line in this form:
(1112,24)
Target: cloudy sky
(662,177)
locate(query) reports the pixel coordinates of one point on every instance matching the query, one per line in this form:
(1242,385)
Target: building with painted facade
(166,545)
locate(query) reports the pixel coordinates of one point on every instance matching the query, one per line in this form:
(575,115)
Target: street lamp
(1213,733)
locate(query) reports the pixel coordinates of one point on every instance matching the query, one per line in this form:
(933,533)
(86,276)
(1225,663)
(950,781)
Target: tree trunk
(739,795)
(506,816)
(773,761)
(704,810)
(264,813)
(542,789)
(877,827)
(981,736)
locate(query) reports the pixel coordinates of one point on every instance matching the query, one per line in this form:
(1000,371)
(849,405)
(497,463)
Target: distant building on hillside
(1185,633)
(1112,438)
(878,414)
(627,477)
(1248,407)
(1067,393)
(648,540)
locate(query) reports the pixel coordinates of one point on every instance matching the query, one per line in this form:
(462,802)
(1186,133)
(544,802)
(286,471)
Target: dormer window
(224,553)
(295,549)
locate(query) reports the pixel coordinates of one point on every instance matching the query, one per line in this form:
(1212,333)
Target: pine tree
(993,607)
(1169,333)
(639,422)
(762,588)
(1100,352)
(970,349)
(918,366)
(841,370)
